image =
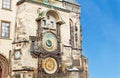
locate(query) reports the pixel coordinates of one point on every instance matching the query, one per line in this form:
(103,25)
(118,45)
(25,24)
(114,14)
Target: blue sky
(100,20)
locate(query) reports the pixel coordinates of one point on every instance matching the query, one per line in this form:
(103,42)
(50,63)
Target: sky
(100,21)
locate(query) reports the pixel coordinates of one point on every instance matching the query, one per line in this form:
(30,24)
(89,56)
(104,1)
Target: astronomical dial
(49,42)
(50,65)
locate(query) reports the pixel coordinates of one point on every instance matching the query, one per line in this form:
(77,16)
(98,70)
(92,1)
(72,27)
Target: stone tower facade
(41,39)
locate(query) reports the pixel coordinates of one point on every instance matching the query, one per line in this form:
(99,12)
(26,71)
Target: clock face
(17,54)
(49,42)
(50,65)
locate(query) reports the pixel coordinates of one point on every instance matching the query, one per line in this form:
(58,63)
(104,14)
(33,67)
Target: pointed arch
(71,32)
(71,22)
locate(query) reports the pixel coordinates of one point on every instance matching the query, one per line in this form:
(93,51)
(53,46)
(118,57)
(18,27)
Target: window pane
(5,29)
(6,4)
(43,23)
(52,23)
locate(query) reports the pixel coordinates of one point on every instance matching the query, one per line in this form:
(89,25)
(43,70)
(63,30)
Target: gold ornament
(50,65)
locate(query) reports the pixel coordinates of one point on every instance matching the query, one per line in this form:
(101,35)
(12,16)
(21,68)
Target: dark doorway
(0,72)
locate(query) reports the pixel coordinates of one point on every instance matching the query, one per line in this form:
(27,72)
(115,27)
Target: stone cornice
(71,3)
(43,4)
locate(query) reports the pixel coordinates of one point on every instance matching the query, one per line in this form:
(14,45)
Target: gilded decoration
(50,65)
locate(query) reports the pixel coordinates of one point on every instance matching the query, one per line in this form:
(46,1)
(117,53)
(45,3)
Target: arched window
(49,21)
(71,32)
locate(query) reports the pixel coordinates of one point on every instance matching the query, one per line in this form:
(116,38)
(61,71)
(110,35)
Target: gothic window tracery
(71,33)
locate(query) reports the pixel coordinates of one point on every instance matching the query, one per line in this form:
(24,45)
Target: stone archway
(0,72)
(54,13)
(4,67)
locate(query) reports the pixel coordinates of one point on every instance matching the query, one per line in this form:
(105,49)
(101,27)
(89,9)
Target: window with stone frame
(76,35)
(5,29)
(71,33)
(6,4)
(52,23)
(44,22)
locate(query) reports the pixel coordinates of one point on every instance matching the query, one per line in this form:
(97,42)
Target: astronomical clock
(50,57)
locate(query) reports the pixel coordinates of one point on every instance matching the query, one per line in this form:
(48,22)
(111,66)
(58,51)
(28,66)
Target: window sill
(6,9)
(5,38)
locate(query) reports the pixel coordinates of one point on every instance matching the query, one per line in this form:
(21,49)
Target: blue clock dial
(49,42)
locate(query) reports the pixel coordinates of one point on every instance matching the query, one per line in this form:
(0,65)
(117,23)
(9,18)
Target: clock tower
(49,43)
(48,40)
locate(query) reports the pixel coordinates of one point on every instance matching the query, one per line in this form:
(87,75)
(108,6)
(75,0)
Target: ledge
(67,45)
(6,9)
(76,49)
(43,4)
(21,42)
(26,69)
(71,3)
(5,38)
